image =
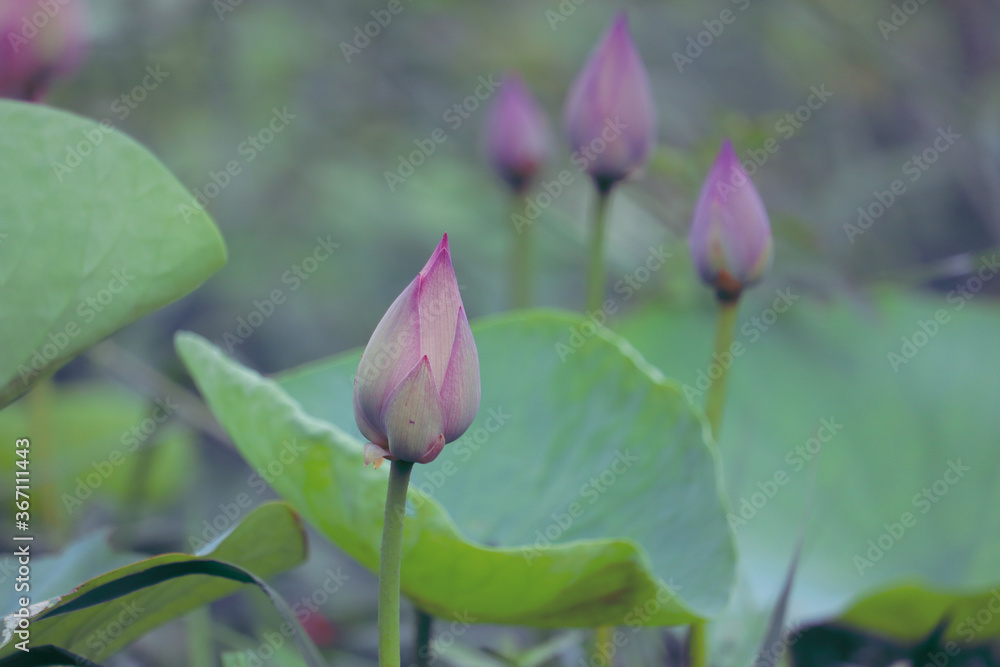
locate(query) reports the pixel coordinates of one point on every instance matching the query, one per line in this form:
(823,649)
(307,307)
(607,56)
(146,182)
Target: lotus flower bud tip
(417,386)
(730,233)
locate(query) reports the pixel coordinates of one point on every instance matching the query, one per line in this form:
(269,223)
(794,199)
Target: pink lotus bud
(730,233)
(38,42)
(518,136)
(610,115)
(417,386)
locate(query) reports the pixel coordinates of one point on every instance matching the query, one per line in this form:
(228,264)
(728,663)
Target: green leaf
(110,611)
(46,656)
(602,436)
(817,383)
(88,243)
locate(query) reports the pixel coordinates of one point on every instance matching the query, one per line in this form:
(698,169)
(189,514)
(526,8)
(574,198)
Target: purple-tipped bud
(518,135)
(417,386)
(730,233)
(610,116)
(38,43)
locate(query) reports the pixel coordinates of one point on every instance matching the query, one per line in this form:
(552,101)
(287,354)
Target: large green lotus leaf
(87,442)
(599,455)
(892,398)
(139,597)
(94,234)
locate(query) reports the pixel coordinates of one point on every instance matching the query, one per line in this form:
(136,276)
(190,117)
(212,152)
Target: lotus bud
(730,233)
(610,116)
(518,136)
(37,45)
(417,387)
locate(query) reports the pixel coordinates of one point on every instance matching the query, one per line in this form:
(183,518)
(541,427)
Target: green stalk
(521,276)
(425,624)
(595,269)
(725,328)
(602,636)
(698,645)
(714,404)
(390,564)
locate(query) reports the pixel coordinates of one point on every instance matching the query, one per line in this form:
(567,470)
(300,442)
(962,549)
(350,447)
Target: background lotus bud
(417,386)
(518,136)
(38,42)
(610,116)
(730,233)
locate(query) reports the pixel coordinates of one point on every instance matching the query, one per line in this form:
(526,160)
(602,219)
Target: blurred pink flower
(519,139)
(610,116)
(730,232)
(417,386)
(38,42)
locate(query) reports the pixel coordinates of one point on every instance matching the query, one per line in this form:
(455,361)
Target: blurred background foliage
(228,68)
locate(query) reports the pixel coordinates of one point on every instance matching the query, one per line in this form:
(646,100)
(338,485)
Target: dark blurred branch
(135,373)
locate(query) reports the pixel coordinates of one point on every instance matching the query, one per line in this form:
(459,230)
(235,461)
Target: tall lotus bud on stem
(417,386)
(730,233)
(37,46)
(732,249)
(518,136)
(610,116)
(519,143)
(416,390)
(611,122)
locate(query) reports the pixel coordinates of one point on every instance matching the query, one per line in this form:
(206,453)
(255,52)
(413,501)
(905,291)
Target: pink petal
(393,350)
(519,137)
(460,392)
(412,416)
(438,301)
(612,95)
(730,230)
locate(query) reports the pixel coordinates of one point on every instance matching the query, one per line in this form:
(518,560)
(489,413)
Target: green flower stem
(425,625)
(698,645)
(714,404)
(602,637)
(390,564)
(595,270)
(521,274)
(716,400)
